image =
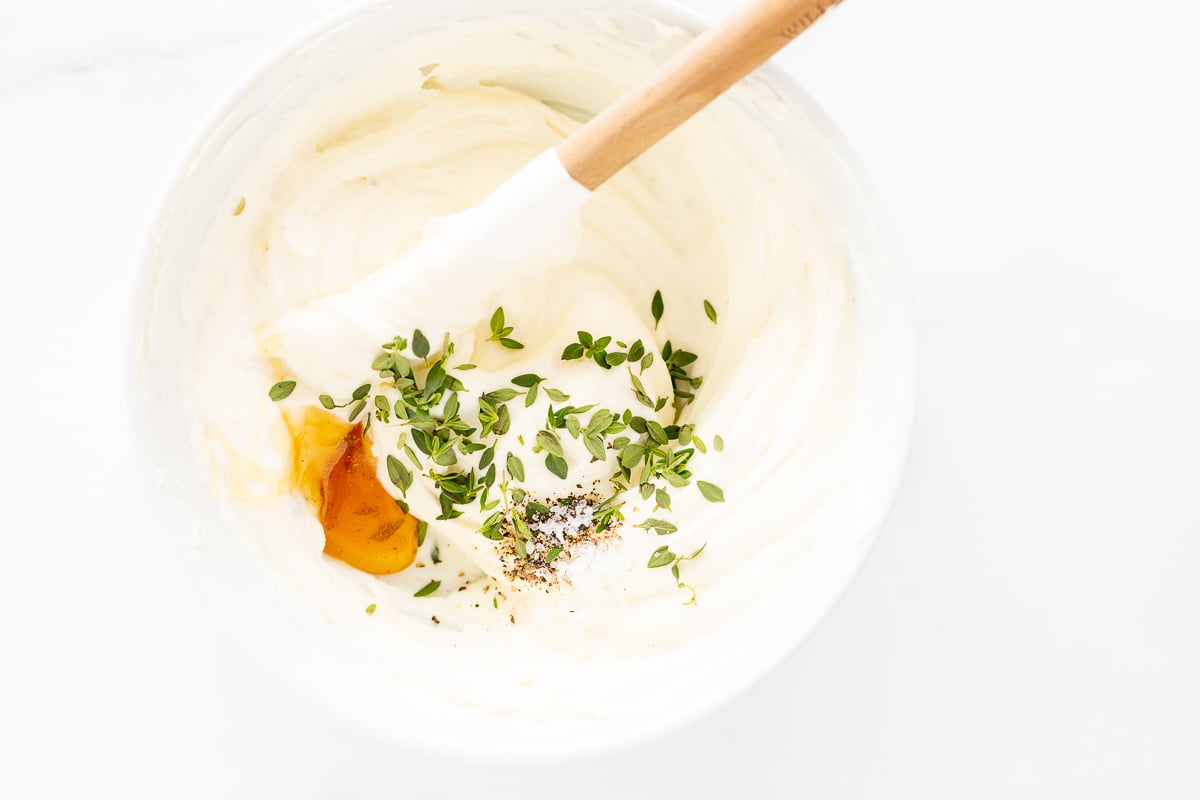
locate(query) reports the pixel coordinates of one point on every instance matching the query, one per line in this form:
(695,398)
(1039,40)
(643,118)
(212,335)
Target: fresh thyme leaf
(450,410)
(659,526)
(646,490)
(639,391)
(361,392)
(522,551)
(428,589)
(675,479)
(712,493)
(549,441)
(511,344)
(486,459)
(497,322)
(574,427)
(465,367)
(435,555)
(527,380)
(370,609)
(531,396)
(399,474)
(631,456)
(538,509)
(521,527)
(502,395)
(662,499)
(656,308)
(718,443)
(358,409)
(557,465)
(503,421)
(710,312)
(408,451)
(647,360)
(656,431)
(557,396)
(420,345)
(615,359)
(422,531)
(572,352)
(585,338)
(383,407)
(636,350)
(595,446)
(327,402)
(552,554)
(515,467)
(599,421)
(434,381)
(660,558)
(282,390)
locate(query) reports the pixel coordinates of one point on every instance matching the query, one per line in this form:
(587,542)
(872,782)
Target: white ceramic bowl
(240,587)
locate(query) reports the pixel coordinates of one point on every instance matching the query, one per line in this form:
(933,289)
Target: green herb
(427,589)
(399,474)
(422,531)
(710,312)
(515,467)
(549,441)
(552,554)
(656,308)
(420,345)
(370,609)
(659,526)
(500,331)
(357,409)
(660,558)
(557,465)
(327,402)
(282,390)
(711,492)
(718,443)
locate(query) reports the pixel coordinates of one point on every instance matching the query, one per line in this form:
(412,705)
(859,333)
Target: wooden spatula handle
(686,83)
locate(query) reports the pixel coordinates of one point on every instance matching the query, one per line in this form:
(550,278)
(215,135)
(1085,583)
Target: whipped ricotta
(716,212)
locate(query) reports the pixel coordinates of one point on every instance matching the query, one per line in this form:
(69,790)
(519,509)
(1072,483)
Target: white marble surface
(1028,626)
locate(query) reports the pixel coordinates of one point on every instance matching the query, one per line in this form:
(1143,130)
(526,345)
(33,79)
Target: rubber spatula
(332,341)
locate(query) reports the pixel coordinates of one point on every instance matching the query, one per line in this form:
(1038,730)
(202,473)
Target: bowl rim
(673,12)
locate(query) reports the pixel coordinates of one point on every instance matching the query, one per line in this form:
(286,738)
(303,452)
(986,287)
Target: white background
(1027,627)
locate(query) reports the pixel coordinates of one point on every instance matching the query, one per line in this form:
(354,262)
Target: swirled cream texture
(716,212)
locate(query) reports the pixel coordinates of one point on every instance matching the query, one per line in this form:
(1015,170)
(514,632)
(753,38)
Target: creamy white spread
(715,212)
